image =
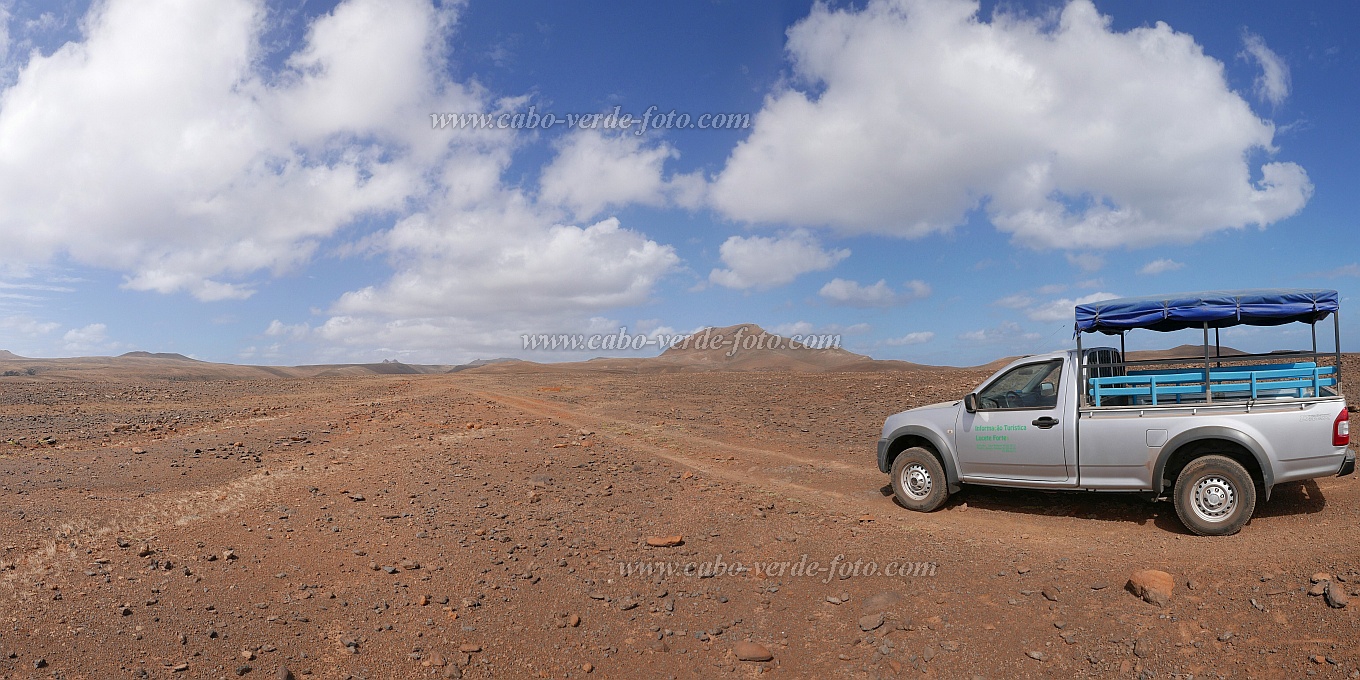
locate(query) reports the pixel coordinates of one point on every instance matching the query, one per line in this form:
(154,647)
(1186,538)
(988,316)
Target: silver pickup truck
(1213,431)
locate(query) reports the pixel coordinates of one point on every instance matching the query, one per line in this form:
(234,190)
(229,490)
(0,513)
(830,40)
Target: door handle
(1045,422)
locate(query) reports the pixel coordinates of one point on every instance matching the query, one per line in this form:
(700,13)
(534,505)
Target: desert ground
(167,518)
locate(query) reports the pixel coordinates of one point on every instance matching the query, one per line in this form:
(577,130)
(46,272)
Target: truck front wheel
(1214,496)
(918,480)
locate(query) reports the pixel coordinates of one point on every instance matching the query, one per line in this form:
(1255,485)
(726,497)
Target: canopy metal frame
(1209,360)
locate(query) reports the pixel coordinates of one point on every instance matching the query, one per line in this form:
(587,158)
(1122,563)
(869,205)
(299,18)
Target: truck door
(1016,433)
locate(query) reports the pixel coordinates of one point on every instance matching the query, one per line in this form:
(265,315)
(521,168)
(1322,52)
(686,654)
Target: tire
(1214,496)
(918,480)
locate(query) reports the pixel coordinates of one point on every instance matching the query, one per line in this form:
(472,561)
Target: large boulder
(1152,585)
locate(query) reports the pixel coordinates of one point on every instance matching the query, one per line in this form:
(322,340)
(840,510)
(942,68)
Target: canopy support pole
(1081,370)
(1218,349)
(1336,328)
(1313,325)
(1208,392)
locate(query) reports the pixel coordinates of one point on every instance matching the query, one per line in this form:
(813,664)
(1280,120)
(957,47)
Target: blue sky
(935,180)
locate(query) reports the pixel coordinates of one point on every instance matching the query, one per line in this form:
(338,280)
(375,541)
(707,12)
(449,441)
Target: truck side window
(1032,386)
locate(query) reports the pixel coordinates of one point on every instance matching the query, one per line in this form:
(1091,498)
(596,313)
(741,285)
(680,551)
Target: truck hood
(934,407)
(936,417)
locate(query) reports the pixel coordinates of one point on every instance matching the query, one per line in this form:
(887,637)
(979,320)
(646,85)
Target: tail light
(1341,429)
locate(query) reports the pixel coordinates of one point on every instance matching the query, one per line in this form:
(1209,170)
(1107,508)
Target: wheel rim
(1214,498)
(916,481)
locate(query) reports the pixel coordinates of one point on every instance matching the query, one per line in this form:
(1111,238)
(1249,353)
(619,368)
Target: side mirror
(970,402)
(1047,389)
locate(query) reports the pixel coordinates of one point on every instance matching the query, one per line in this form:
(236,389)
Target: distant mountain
(748,347)
(6,354)
(156,355)
(167,365)
(1183,352)
(742,347)
(478,363)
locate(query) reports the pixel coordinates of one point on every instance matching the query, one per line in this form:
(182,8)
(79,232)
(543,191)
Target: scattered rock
(1037,655)
(1142,648)
(1336,596)
(469,648)
(1153,586)
(1318,588)
(573,620)
(665,541)
(751,651)
(1050,594)
(870,622)
(284,674)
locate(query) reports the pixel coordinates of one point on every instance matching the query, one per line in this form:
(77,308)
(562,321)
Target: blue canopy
(1220,309)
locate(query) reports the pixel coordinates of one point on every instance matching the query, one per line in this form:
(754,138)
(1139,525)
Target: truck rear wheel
(1214,496)
(918,480)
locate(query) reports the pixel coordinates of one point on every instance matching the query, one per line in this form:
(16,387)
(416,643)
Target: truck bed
(1234,383)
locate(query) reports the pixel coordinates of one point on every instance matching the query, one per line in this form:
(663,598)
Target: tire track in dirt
(677,446)
(840,488)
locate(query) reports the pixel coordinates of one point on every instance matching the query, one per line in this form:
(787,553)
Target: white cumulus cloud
(1160,266)
(1273,83)
(1064,309)
(916,338)
(86,339)
(159,144)
(906,115)
(156,146)
(1006,332)
(848,293)
(766,262)
(27,325)
(592,171)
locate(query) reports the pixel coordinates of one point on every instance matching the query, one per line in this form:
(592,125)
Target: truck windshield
(1029,386)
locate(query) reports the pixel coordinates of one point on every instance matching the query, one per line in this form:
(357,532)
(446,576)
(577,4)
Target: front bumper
(1347,466)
